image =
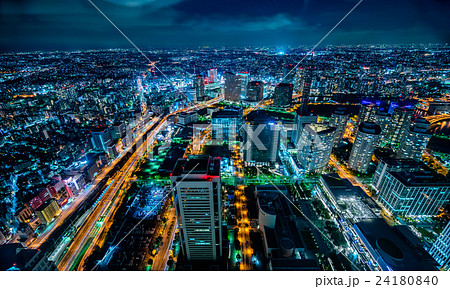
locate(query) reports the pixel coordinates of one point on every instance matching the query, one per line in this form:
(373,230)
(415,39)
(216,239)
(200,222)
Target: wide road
(79,199)
(344,173)
(104,208)
(161,258)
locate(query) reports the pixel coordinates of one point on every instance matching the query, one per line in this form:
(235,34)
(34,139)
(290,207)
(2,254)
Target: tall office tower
(339,119)
(199,86)
(261,139)
(255,90)
(299,123)
(212,75)
(366,140)
(101,140)
(298,79)
(366,113)
(401,120)
(226,124)
(288,76)
(314,146)
(383,119)
(232,87)
(306,91)
(419,192)
(244,78)
(415,140)
(117,131)
(393,165)
(198,202)
(441,248)
(283,95)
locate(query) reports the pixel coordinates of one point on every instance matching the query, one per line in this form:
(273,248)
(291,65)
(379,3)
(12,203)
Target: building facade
(401,120)
(339,119)
(226,124)
(197,196)
(232,87)
(255,91)
(261,139)
(415,192)
(283,94)
(366,140)
(415,140)
(314,147)
(441,248)
(199,87)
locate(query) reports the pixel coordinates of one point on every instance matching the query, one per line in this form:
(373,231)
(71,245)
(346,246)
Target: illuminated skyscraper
(101,140)
(226,124)
(366,140)
(212,75)
(339,119)
(314,146)
(441,248)
(401,120)
(244,78)
(199,86)
(255,90)
(415,140)
(232,87)
(366,113)
(383,119)
(283,95)
(288,77)
(302,85)
(299,123)
(261,139)
(198,203)
(413,191)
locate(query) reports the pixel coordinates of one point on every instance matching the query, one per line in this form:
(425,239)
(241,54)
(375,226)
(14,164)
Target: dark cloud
(76,24)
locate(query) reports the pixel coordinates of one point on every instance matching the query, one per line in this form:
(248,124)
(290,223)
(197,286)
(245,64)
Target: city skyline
(278,143)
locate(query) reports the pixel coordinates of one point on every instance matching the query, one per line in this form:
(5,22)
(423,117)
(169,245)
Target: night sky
(28,25)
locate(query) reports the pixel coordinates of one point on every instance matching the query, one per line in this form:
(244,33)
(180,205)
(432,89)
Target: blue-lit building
(226,124)
(410,188)
(101,140)
(441,248)
(366,140)
(339,119)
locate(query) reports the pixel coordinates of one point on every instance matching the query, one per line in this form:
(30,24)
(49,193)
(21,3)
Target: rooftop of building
(45,205)
(369,128)
(284,84)
(401,163)
(268,195)
(398,248)
(197,164)
(259,116)
(254,83)
(321,128)
(424,177)
(227,112)
(340,110)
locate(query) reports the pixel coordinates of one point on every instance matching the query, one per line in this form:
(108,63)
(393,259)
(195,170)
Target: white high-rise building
(366,140)
(339,119)
(314,146)
(197,197)
(415,140)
